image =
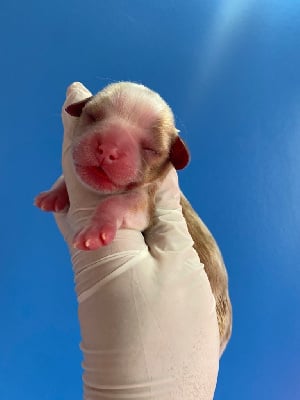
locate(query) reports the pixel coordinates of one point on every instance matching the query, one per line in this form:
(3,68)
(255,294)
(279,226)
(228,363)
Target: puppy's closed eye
(90,117)
(149,148)
(150,151)
(94,115)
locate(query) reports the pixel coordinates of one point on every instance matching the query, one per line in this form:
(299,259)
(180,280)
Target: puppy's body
(123,145)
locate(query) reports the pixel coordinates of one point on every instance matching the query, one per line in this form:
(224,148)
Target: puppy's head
(125,137)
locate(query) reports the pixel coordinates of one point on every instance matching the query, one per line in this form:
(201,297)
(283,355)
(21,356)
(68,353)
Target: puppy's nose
(108,152)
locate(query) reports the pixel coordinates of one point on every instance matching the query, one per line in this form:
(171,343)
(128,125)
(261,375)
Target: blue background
(231,72)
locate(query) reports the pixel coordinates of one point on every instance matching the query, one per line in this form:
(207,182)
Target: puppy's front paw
(94,237)
(55,200)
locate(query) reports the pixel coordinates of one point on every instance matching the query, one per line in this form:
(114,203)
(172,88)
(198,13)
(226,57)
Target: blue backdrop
(230,71)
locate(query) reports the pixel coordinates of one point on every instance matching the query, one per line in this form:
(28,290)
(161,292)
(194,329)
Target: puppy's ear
(179,154)
(75,109)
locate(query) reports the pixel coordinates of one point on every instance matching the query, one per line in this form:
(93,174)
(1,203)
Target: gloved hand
(146,311)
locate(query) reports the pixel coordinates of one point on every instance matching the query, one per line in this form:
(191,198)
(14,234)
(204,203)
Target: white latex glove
(146,311)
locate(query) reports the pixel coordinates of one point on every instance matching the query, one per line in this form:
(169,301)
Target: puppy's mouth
(96,178)
(99,172)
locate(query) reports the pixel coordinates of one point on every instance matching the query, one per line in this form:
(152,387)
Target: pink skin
(109,216)
(56,199)
(107,161)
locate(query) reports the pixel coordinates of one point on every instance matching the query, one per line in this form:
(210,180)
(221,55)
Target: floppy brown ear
(179,154)
(75,109)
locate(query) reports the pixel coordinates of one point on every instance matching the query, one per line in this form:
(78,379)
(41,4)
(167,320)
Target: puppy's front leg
(128,210)
(56,199)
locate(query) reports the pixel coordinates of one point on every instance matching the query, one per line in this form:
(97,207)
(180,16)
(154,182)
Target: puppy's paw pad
(94,237)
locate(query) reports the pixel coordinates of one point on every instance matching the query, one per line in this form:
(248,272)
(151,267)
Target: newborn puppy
(123,145)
